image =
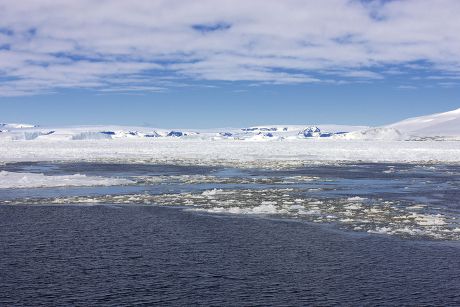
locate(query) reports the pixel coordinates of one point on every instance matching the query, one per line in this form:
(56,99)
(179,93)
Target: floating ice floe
(12,180)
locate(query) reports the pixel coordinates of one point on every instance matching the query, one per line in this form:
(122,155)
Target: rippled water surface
(359,234)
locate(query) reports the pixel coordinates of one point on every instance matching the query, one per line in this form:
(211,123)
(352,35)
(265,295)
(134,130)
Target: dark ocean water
(145,244)
(128,255)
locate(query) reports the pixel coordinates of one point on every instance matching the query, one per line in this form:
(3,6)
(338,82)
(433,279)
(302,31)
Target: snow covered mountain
(438,126)
(445,124)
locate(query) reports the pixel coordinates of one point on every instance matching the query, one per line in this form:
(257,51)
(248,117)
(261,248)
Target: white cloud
(49,44)
(407,87)
(365,74)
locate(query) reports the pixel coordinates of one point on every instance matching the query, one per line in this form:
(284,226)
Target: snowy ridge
(440,126)
(445,124)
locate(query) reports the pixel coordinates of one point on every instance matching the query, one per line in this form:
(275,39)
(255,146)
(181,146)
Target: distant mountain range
(436,126)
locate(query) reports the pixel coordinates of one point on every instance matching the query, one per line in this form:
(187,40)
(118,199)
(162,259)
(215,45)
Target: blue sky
(180,63)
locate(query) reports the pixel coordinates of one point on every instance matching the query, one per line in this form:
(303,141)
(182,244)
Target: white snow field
(231,152)
(10,180)
(432,138)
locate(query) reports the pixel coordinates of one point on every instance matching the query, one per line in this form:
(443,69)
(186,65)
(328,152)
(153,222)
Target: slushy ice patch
(404,219)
